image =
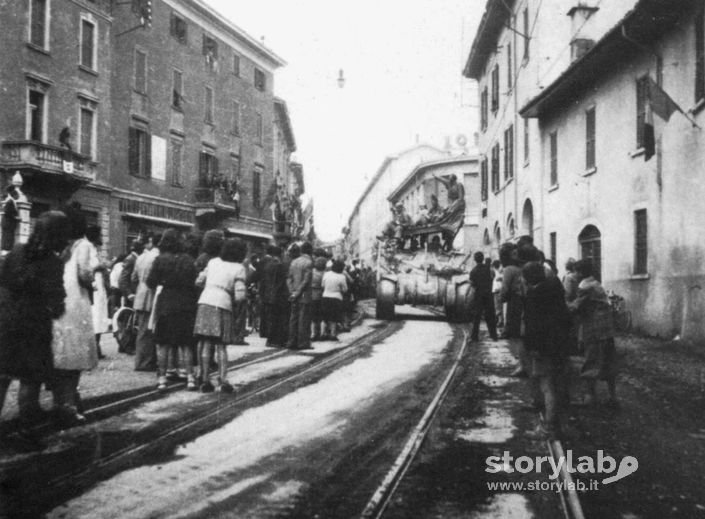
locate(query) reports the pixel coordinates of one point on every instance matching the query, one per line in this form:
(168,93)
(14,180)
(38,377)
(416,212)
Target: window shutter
(132,150)
(148,155)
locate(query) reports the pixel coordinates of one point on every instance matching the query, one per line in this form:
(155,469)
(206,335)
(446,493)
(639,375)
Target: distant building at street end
(420,185)
(371,212)
(620,179)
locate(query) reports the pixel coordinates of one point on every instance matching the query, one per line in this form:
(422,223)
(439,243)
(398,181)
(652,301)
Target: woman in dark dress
(31,295)
(175,308)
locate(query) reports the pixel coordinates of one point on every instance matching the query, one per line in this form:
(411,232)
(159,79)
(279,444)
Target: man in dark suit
(275,298)
(299,284)
(481,281)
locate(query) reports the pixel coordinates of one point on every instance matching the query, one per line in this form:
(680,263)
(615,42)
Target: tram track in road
(570,506)
(105,463)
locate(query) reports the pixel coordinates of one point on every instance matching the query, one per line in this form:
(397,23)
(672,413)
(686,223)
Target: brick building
(151,114)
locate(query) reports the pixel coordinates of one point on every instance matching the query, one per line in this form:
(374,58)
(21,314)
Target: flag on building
(660,103)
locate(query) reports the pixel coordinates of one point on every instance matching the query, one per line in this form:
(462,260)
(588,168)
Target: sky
(402,61)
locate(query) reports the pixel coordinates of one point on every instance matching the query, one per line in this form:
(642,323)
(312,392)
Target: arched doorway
(486,238)
(511,226)
(497,233)
(590,241)
(527,218)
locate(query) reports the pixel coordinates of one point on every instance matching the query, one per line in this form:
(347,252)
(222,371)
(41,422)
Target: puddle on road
(505,506)
(495,426)
(216,466)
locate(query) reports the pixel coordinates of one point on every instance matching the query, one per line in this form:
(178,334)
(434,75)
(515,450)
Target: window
(139,152)
(526,140)
(236,65)
(509,153)
(234,167)
(700,54)
(39,23)
(177,157)
(483,110)
(495,168)
(641,100)
(259,131)
(210,51)
(640,242)
(236,118)
(141,71)
(527,38)
(88,44)
(260,80)
(36,111)
(177,90)
(590,138)
(87,127)
(553,138)
(257,186)
(590,241)
(208,105)
(495,88)
(553,246)
(483,179)
(207,167)
(509,66)
(497,233)
(179,29)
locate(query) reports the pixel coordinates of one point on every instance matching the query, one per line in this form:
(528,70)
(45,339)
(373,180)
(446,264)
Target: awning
(156,219)
(249,234)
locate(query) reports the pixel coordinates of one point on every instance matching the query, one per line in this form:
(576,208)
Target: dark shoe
(307,347)
(68,416)
(333,338)
(207,387)
(225,387)
(241,343)
(272,345)
(172,375)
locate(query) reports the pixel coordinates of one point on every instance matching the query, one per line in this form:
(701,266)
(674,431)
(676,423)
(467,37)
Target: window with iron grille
(141,71)
(139,152)
(495,168)
(509,153)
(483,109)
(640,242)
(590,138)
(260,80)
(553,138)
(700,53)
(207,168)
(38,23)
(483,179)
(590,240)
(495,88)
(179,28)
(641,100)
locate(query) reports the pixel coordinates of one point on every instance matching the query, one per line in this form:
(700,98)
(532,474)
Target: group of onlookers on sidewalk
(191,299)
(552,319)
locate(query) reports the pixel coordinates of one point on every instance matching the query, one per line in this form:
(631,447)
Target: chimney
(582,40)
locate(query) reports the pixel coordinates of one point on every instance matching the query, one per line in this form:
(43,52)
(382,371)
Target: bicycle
(621,316)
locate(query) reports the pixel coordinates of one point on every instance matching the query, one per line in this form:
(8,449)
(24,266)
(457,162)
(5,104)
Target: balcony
(214,199)
(35,157)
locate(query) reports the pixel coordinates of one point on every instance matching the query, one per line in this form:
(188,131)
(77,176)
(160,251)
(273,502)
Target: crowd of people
(192,296)
(552,319)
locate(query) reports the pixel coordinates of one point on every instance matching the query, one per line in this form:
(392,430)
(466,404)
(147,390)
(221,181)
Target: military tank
(419,267)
